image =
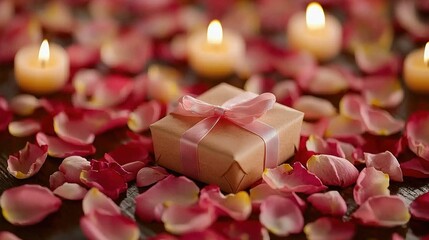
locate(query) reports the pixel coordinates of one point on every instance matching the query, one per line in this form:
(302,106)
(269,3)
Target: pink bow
(243,110)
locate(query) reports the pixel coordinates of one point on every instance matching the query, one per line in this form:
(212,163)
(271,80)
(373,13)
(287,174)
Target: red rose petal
(406,15)
(385,162)
(107,180)
(73,131)
(8,235)
(329,228)
(61,149)
(27,161)
(371,182)
(416,167)
(95,200)
(330,203)
(286,92)
(418,140)
(70,191)
(133,151)
(150,175)
(82,56)
(144,115)
(419,208)
(6,115)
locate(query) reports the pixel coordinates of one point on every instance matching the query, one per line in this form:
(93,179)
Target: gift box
(229,155)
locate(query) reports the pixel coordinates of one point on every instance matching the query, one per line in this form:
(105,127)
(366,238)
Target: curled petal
(329,228)
(179,219)
(60,149)
(327,80)
(296,179)
(418,140)
(27,161)
(332,170)
(383,91)
(70,191)
(20,208)
(146,114)
(320,146)
(281,216)
(330,203)
(107,180)
(377,211)
(259,193)
(419,208)
(24,128)
(24,104)
(56,179)
(103,226)
(73,131)
(171,190)
(314,107)
(8,235)
(341,126)
(380,122)
(371,182)
(416,167)
(372,59)
(237,206)
(6,115)
(385,162)
(72,166)
(95,200)
(150,175)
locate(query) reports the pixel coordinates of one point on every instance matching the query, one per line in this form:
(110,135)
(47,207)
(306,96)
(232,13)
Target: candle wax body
(32,77)
(416,72)
(215,60)
(323,43)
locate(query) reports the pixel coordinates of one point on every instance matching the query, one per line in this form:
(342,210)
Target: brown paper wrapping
(229,155)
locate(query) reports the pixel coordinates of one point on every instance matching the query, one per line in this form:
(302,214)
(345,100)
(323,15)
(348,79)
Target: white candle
(214,53)
(314,32)
(416,70)
(41,70)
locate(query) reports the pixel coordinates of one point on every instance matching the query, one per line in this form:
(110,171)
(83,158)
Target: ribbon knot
(243,110)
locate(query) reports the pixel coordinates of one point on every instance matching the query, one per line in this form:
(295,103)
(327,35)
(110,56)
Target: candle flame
(214,32)
(315,17)
(426,54)
(44,52)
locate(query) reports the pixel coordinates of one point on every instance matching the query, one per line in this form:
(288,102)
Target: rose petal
(24,128)
(179,219)
(100,225)
(281,216)
(107,180)
(321,146)
(237,206)
(259,193)
(59,148)
(169,191)
(258,84)
(372,59)
(24,104)
(56,179)
(150,175)
(419,207)
(327,80)
(70,191)
(95,32)
(133,151)
(350,106)
(72,166)
(56,17)
(371,182)
(6,115)
(162,83)
(329,228)
(73,131)
(314,107)
(27,161)
(247,15)
(332,170)
(20,208)
(95,200)
(380,122)
(417,135)
(298,65)
(296,179)
(249,229)
(146,142)
(377,211)
(317,128)
(341,126)
(416,167)
(142,117)
(82,56)
(407,17)
(330,203)
(8,235)
(385,162)
(383,91)
(286,92)
(132,169)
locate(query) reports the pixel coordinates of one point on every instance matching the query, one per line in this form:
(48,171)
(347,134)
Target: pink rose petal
(314,107)
(259,193)
(418,140)
(8,235)
(82,56)
(72,167)
(298,65)
(385,91)
(286,92)
(330,203)
(70,191)
(95,32)
(27,161)
(377,211)
(321,146)
(419,208)
(171,190)
(332,170)
(60,149)
(281,216)
(179,219)
(407,17)
(327,80)
(20,208)
(341,126)
(296,179)
(150,175)
(372,59)
(258,84)
(24,104)
(56,179)
(104,226)
(380,122)
(385,162)
(371,182)
(237,206)
(329,228)
(317,128)
(94,200)
(350,106)
(24,128)
(416,167)
(6,115)
(142,117)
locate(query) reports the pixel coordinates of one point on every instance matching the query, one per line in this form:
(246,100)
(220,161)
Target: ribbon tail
(189,145)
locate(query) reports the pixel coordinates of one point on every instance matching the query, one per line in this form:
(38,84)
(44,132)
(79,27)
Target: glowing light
(44,52)
(426,54)
(314,16)
(214,32)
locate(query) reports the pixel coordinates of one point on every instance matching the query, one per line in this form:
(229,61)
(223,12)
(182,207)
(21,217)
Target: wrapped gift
(226,137)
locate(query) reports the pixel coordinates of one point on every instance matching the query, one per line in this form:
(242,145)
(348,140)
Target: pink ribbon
(243,110)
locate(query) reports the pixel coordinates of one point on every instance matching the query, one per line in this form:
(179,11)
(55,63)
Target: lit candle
(214,53)
(41,70)
(314,32)
(416,69)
